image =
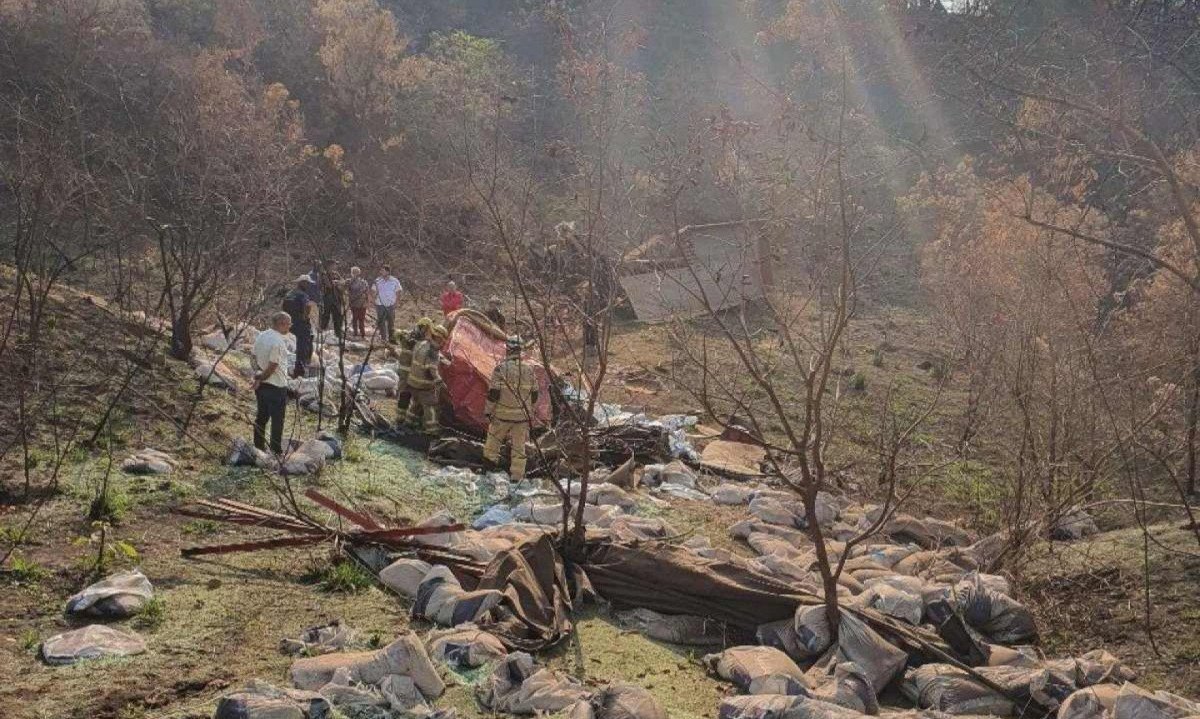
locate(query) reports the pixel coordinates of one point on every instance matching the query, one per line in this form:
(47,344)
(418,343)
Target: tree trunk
(181,336)
(825,566)
(1193,416)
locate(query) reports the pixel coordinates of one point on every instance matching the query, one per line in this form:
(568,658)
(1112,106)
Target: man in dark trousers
(301,308)
(333,304)
(271,382)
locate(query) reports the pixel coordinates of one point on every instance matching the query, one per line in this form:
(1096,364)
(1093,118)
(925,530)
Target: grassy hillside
(222,618)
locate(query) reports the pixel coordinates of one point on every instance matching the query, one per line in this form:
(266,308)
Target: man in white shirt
(271,381)
(387,293)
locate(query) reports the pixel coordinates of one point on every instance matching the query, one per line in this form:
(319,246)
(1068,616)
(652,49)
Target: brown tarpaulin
(673,580)
(535,611)
(668,579)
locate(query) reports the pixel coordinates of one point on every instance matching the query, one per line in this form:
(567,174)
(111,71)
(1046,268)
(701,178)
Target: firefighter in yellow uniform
(408,343)
(512,396)
(423,379)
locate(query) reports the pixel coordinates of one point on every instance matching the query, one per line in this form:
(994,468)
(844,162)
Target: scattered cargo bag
(759,670)
(782,636)
(519,686)
(465,646)
(783,707)
(1133,702)
(1095,702)
(944,688)
(892,602)
(404,576)
(441,599)
(674,628)
(768,706)
(857,643)
(1094,667)
(851,688)
(405,656)
(620,701)
(997,616)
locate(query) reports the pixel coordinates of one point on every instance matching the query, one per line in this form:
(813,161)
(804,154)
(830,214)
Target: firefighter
(423,379)
(512,395)
(408,343)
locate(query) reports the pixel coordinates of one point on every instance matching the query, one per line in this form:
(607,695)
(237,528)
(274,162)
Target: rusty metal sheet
(658,296)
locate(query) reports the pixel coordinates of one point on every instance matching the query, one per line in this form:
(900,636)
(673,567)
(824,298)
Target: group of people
(319,300)
(511,400)
(322,296)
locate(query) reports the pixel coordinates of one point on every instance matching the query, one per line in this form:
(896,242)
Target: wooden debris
(305,531)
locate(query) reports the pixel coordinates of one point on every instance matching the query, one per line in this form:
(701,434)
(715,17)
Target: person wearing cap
(408,342)
(302,309)
(493,312)
(423,379)
(511,399)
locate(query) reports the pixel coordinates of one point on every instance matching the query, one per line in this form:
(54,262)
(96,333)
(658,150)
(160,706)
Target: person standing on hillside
(271,382)
(512,396)
(423,379)
(315,290)
(452,299)
(387,293)
(302,309)
(404,357)
(493,312)
(358,293)
(333,300)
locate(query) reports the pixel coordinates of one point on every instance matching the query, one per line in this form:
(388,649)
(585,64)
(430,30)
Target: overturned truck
(473,350)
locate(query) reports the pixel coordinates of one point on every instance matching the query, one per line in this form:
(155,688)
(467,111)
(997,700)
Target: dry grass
(222,618)
(1091,595)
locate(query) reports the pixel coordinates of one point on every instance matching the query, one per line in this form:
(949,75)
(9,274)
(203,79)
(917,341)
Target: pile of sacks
(119,596)
(304,458)
(915,570)
(844,679)
(520,513)
(399,678)
(215,373)
(382,379)
(518,685)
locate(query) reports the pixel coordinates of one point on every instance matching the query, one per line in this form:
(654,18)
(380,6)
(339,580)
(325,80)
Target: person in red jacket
(452,299)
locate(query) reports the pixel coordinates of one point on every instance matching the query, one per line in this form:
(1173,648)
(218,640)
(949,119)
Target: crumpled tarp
(534,612)
(673,580)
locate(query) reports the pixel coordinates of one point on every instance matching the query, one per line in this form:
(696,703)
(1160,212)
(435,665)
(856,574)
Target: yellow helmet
(424,323)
